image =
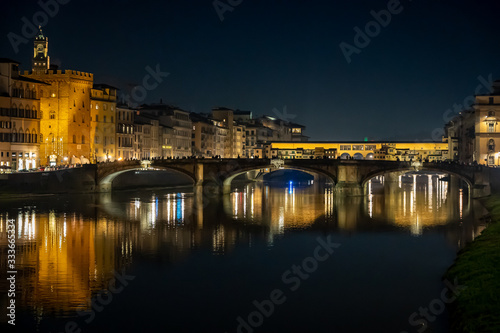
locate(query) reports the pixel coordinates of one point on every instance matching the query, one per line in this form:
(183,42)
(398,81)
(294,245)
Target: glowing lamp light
(65,158)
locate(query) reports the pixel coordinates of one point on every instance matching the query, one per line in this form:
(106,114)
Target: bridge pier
(348,183)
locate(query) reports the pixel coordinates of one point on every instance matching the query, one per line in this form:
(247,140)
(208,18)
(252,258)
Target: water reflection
(67,251)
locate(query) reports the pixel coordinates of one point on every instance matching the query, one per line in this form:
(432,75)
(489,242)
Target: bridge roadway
(349,176)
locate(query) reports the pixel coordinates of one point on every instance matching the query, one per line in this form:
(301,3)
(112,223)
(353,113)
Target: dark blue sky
(274,54)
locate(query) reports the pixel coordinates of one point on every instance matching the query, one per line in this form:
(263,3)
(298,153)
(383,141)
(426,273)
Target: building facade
(124,132)
(103,123)
(19,118)
(389,151)
(65,122)
(474,134)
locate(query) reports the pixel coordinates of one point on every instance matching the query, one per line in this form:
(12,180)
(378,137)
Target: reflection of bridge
(349,176)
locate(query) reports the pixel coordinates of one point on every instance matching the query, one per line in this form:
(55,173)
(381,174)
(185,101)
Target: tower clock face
(40,48)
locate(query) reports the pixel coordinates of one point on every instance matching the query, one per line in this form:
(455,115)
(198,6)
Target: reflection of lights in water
(400,180)
(218,239)
(412,195)
(281,221)
(235,205)
(404,203)
(416,229)
(290,187)
(152,218)
(429,184)
(244,203)
(370,199)
(179,209)
(19,224)
(252,204)
(461,203)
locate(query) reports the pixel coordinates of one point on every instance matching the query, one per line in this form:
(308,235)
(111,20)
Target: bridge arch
(358,156)
(313,172)
(105,181)
(345,156)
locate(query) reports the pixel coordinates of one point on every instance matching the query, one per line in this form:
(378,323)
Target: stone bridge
(349,176)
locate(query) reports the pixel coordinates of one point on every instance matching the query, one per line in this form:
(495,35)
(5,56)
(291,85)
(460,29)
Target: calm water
(197,264)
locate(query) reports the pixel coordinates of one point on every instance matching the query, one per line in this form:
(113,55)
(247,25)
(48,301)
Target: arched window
(33,136)
(52,115)
(27,136)
(13,137)
(41,138)
(34,114)
(13,111)
(491,145)
(20,136)
(21,111)
(491,113)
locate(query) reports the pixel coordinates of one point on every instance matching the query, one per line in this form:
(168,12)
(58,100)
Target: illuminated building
(178,128)
(389,151)
(147,130)
(64,109)
(103,124)
(41,59)
(209,136)
(19,118)
(124,132)
(475,133)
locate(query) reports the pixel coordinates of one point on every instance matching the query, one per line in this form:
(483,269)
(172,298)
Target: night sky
(271,56)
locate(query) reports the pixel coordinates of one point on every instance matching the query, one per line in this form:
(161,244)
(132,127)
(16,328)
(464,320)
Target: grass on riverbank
(477,308)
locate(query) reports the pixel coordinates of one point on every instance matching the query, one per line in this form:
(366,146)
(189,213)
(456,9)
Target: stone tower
(40,62)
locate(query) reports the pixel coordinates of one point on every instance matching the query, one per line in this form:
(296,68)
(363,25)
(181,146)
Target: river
(290,257)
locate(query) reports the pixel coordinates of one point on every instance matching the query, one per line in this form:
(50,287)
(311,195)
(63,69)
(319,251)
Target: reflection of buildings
(424,202)
(65,258)
(62,259)
(278,208)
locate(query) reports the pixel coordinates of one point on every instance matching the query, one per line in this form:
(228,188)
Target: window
(370,147)
(104,119)
(345,147)
(52,115)
(491,127)
(491,145)
(97,107)
(105,107)
(83,139)
(96,118)
(357,147)
(491,113)
(74,138)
